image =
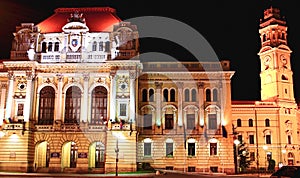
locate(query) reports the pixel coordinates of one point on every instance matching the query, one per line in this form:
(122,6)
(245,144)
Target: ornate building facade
(76,98)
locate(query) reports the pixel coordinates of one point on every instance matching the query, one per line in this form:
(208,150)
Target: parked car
(287,172)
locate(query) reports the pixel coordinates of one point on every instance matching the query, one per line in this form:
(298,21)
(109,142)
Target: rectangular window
(191,149)
(147,149)
(212,121)
(169,167)
(190,119)
(123,109)
(251,139)
(169,121)
(147,121)
(240,138)
(289,139)
(252,156)
(191,169)
(268,139)
(20,109)
(213,148)
(169,149)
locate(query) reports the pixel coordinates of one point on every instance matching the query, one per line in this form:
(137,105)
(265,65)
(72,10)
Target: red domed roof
(98,19)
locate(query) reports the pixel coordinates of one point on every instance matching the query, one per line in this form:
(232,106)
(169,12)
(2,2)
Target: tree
(244,155)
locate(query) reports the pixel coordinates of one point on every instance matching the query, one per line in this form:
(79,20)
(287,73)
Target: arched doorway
(97,155)
(290,158)
(42,156)
(69,155)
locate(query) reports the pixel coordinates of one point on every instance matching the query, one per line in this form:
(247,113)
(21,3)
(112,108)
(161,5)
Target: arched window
(72,105)
(99,105)
(172,95)
(44,47)
(97,159)
(166,95)
(194,95)
(151,95)
(144,95)
(250,122)
(50,46)
(215,95)
(46,105)
(56,46)
(94,47)
(100,46)
(239,123)
(267,122)
(284,77)
(186,95)
(208,93)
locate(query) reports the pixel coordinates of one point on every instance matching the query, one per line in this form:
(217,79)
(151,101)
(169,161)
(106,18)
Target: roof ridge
(86,9)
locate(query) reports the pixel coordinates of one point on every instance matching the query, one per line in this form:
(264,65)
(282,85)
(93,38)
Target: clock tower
(276,74)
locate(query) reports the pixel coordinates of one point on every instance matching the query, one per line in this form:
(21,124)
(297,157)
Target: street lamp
(265,147)
(236,143)
(117,155)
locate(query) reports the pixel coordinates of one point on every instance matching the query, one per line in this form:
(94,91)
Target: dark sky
(231,28)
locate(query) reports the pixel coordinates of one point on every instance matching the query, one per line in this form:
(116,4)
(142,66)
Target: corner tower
(276,74)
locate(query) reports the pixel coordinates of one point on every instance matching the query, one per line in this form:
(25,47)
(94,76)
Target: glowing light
(236,142)
(2,134)
(265,147)
(283,151)
(224,123)
(14,137)
(213,140)
(201,122)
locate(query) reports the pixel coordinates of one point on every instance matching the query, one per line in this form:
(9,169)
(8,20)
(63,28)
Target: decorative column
(180,91)
(158,103)
(201,103)
(59,96)
(113,96)
(28,99)
(84,108)
(2,101)
(10,94)
(132,76)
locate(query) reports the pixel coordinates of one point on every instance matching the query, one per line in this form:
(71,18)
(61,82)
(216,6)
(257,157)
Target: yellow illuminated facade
(76,98)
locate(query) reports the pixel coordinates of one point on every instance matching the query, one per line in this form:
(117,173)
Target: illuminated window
(99,105)
(147,121)
(72,105)
(46,105)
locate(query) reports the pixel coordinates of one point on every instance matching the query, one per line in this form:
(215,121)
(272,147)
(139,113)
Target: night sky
(230,27)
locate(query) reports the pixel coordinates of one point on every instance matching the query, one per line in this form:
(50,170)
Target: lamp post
(236,143)
(117,155)
(265,147)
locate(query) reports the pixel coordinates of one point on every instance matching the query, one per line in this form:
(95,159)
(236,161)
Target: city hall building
(75,97)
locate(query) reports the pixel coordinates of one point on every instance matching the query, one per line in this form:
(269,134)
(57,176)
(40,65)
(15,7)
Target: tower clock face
(267,61)
(283,59)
